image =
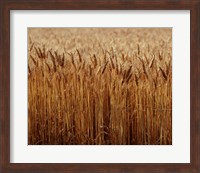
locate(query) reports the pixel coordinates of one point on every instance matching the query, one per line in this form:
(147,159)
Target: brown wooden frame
(7,5)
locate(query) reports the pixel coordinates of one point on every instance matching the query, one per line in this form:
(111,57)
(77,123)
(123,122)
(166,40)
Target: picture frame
(6,6)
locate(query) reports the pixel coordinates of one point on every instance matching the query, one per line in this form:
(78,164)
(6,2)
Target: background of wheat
(100,86)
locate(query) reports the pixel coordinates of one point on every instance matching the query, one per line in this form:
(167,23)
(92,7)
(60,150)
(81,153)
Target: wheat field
(99,86)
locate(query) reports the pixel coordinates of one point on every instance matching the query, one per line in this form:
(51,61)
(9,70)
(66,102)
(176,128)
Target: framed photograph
(100,86)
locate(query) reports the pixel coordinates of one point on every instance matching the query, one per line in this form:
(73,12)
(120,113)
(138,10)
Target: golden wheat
(100,86)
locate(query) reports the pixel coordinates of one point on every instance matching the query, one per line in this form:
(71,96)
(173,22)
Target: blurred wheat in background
(100,86)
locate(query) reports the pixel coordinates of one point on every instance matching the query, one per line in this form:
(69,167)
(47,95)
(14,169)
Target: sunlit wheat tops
(100,86)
